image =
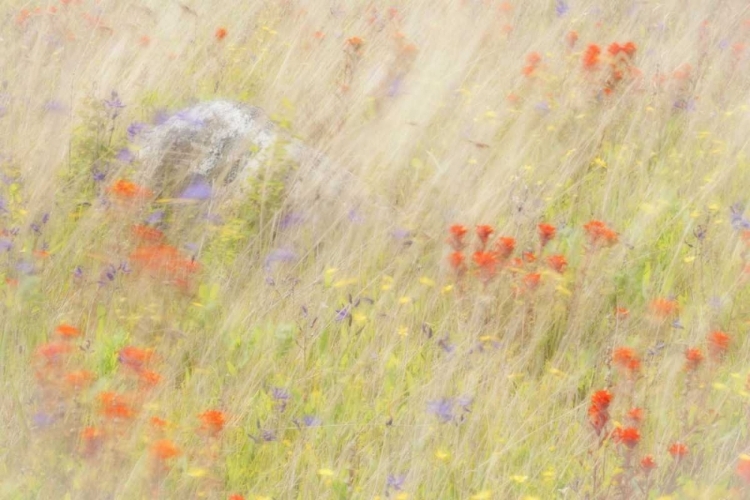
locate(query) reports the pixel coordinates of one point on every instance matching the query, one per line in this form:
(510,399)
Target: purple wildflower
(199,189)
(396,482)
(561,8)
(442,408)
(135,129)
(125,155)
(5,245)
(114,102)
(311,421)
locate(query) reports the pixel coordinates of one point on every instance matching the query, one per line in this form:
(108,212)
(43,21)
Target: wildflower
(532,63)
(456,260)
(487,262)
(134,358)
(557,262)
(220,33)
(149,378)
(622,312)
(199,189)
(147,233)
(678,450)
(599,409)
(718,344)
(531,280)
(663,308)
(457,233)
(629,49)
(591,56)
(546,233)
(115,406)
(648,464)
(599,234)
(571,38)
(67,331)
(627,359)
(743,468)
(693,358)
(126,190)
(636,414)
(442,408)
(212,421)
(355,42)
(236,496)
(92,440)
(164,449)
(158,423)
(529,257)
(629,436)
(504,247)
(79,379)
(52,352)
(484,232)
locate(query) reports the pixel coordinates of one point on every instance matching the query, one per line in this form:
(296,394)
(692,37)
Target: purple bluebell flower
(442,408)
(125,155)
(311,421)
(114,102)
(342,314)
(199,189)
(78,272)
(396,482)
(43,420)
(737,217)
(25,267)
(135,129)
(561,8)
(291,219)
(155,217)
(280,255)
(5,245)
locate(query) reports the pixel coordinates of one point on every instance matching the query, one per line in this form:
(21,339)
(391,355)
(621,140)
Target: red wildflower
(115,406)
(504,246)
(147,233)
(629,436)
(457,233)
(546,233)
(212,421)
(529,257)
(743,468)
(52,352)
(636,414)
(532,280)
(629,48)
(220,33)
(127,190)
(532,63)
(134,358)
(591,56)
(487,262)
(158,423)
(355,42)
(557,262)
(663,308)
(457,260)
(627,359)
(599,233)
(614,49)
(79,379)
(164,449)
(149,378)
(91,438)
(599,410)
(718,343)
(67,331)
(622,312)
(484,232)
(678,450)
(236,496)
(693,358)
(571,38)
(648,464)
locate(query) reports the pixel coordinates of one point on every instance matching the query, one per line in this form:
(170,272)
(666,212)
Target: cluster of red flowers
(626,359)
(620,59)
(599,235)
(533,59)
(599,410)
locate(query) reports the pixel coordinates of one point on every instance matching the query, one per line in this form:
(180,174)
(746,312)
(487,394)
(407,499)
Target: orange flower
(220,33)
(91,438)
(149,378)
(212,421)
(164,449)
(505,246)
(557,262)
(743,468)
(663,308)
(591,56)
(546,233)
(627,359)
(67,331)
(678,450)
(622,312)
(629,436)
(600,234)
(693,357)
(529,257)
(718,344)
(158,423)
(457,233)
(648,464)
(599,410)
(487,262)
(134,358)
(355,42)
(484,232)
(636,414)
(52,352)
(127,190)
(146,233)
(79,379)
(629,48)
(115,406)
(457,260)
(532,280)
(571,38)
(236,496)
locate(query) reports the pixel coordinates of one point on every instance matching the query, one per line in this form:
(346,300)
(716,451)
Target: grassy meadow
(534,284)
